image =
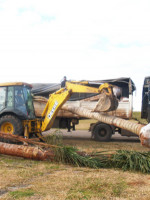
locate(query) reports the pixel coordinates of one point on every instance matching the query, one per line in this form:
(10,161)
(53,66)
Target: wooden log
(29,152)
(16,138)
(139,129)
(40,103)
(25,151)
(112,120)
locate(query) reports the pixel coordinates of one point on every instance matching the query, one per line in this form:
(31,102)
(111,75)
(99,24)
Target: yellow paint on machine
(53,106)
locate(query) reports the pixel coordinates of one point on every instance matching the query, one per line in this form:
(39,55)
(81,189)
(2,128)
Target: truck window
(2,97)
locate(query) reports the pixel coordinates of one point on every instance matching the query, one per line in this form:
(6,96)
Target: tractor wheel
(11,124)
(102,132)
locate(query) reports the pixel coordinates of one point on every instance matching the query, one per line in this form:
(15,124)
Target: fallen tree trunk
(26,141)
(35,152)
(29,152)
(112,120)
(142,131)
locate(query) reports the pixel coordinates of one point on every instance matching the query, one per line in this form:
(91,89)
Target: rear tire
(102,132)
(11,124)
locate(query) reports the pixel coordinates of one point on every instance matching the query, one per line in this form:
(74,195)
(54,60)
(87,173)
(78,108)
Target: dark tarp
(44,89)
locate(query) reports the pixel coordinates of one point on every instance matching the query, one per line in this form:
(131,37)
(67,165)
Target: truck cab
(145,110)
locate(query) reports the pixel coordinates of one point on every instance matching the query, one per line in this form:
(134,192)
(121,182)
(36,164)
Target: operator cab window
(2,97)
(19,100)
(10,101)
(29,102)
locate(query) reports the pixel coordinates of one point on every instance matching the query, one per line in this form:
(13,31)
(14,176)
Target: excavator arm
(107,100)
(55,101)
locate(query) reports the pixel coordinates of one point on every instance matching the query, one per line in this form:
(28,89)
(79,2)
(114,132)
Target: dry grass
(44,180)
(137,116)
(27,179)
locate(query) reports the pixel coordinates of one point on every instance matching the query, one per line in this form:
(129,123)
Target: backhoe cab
(16,99)
(17,111)
(16,105)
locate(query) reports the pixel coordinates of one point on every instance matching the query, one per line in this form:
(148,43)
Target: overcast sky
(41,41)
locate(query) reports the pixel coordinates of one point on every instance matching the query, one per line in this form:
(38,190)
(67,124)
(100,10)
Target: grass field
(28,179)
(137,116)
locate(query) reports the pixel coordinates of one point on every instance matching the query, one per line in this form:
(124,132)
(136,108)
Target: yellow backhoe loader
(17,114)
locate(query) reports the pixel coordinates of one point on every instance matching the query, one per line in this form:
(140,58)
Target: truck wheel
(102,132)
(11,124)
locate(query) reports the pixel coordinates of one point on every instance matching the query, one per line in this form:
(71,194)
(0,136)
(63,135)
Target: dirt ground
(86,135)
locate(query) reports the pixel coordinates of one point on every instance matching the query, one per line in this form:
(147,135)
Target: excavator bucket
(106,103)
(107,100)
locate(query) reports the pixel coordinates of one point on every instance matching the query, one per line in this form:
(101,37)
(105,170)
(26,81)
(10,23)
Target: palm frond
(122,159)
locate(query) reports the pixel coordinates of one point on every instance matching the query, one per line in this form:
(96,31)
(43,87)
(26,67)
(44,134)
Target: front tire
(11,124)
(102,132)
